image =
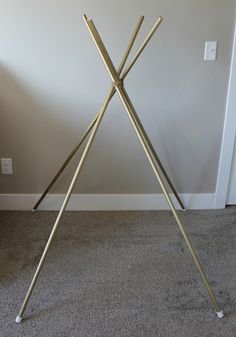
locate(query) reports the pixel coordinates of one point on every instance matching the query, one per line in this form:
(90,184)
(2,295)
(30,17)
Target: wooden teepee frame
(117,77)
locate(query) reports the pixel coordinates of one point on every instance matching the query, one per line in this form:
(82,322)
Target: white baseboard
(93,202)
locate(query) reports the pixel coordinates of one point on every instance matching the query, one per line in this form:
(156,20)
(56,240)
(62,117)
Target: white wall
(53,82)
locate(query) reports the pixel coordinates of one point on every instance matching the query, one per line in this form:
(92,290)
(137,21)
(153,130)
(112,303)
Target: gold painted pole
(122,93)
(68,194)
(145,42)
(75,177)
(161,167)
(71,155)
(123,76)
(125,100)
(130,44)
(111,70)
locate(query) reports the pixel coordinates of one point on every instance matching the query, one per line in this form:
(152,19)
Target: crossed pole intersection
(91,125)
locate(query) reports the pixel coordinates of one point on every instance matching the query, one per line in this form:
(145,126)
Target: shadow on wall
(33,133)
(191,163)
(189,154)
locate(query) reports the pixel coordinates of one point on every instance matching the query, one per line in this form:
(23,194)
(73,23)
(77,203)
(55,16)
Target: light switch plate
(210,51)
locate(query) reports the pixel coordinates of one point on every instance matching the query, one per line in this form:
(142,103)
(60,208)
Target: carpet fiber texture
(118,274)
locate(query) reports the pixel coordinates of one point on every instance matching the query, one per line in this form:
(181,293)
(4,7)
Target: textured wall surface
(52,83)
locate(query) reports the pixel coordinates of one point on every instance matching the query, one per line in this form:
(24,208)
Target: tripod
(117,77)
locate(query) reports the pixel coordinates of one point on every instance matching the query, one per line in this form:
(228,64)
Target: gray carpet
(118,274)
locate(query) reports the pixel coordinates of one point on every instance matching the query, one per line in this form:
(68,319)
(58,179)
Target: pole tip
(86,18)
(18,319)
(220,314)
